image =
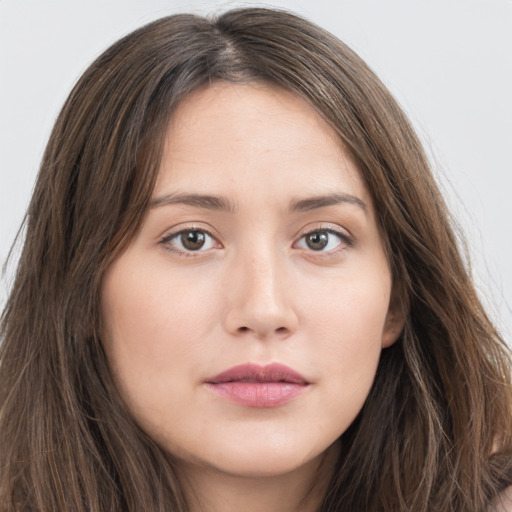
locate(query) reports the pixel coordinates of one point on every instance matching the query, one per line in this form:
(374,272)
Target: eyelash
(166,241)
(345,241)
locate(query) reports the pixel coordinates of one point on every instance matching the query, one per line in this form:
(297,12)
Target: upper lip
(274,372)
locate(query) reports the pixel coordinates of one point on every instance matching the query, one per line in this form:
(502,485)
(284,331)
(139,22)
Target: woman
(240,290)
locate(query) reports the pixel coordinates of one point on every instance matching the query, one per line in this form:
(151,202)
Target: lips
(257,386)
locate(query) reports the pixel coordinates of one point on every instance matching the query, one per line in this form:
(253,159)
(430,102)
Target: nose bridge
(259,299)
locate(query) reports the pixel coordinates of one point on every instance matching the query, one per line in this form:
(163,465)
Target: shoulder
(502,503)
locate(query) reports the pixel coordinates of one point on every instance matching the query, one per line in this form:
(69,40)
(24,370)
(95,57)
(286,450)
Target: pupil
(317,241)
(193,240)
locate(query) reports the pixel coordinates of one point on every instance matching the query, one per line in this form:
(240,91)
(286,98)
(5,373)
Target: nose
(259,298)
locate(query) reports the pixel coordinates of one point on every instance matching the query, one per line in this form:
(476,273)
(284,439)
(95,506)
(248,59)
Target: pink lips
(258,386)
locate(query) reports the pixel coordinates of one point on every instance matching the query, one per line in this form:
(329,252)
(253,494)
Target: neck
(300,490)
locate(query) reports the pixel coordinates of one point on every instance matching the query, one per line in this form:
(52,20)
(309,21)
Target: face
(244,322)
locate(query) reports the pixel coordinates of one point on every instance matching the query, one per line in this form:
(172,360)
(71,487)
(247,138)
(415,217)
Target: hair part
(435,431)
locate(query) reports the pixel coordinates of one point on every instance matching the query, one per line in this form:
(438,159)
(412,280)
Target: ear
(395,318)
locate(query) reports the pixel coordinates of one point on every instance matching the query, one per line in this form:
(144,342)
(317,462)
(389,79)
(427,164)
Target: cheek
(153,330)
(153,308)
(350,307)
(345,322)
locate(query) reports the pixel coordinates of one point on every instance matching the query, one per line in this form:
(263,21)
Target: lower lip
(258,394)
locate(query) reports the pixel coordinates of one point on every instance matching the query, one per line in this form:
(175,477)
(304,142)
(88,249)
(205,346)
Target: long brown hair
(435,433)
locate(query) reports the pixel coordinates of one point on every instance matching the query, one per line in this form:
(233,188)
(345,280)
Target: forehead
(258,134)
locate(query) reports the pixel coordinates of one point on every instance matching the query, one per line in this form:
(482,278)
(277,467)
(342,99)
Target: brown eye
(193,240)
(317,240)
(189,240)
(323,240)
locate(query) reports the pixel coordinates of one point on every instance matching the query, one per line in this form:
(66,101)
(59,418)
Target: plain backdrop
(448,62)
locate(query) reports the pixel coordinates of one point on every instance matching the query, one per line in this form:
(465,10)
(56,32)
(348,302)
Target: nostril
(278,331)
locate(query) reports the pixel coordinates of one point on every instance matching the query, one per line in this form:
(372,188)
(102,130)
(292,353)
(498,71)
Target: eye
(322,240)
(189,240)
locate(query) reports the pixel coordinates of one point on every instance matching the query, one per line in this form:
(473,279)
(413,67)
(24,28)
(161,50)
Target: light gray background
(449,63)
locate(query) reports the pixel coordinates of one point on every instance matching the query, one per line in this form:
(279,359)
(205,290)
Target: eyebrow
(313,203)
(209,202)
(197,200)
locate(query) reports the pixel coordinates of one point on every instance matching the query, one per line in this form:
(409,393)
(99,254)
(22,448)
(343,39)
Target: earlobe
(392,330)
(395,319)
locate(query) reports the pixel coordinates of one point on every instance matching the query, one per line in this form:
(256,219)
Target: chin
(258,459)
(262,466)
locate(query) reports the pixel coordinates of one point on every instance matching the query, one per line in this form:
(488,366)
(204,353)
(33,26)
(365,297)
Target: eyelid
(165,239)
(346,239)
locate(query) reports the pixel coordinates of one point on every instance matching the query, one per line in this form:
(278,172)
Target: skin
(254,292)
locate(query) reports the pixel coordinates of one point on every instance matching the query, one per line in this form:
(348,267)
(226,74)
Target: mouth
(257,386)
